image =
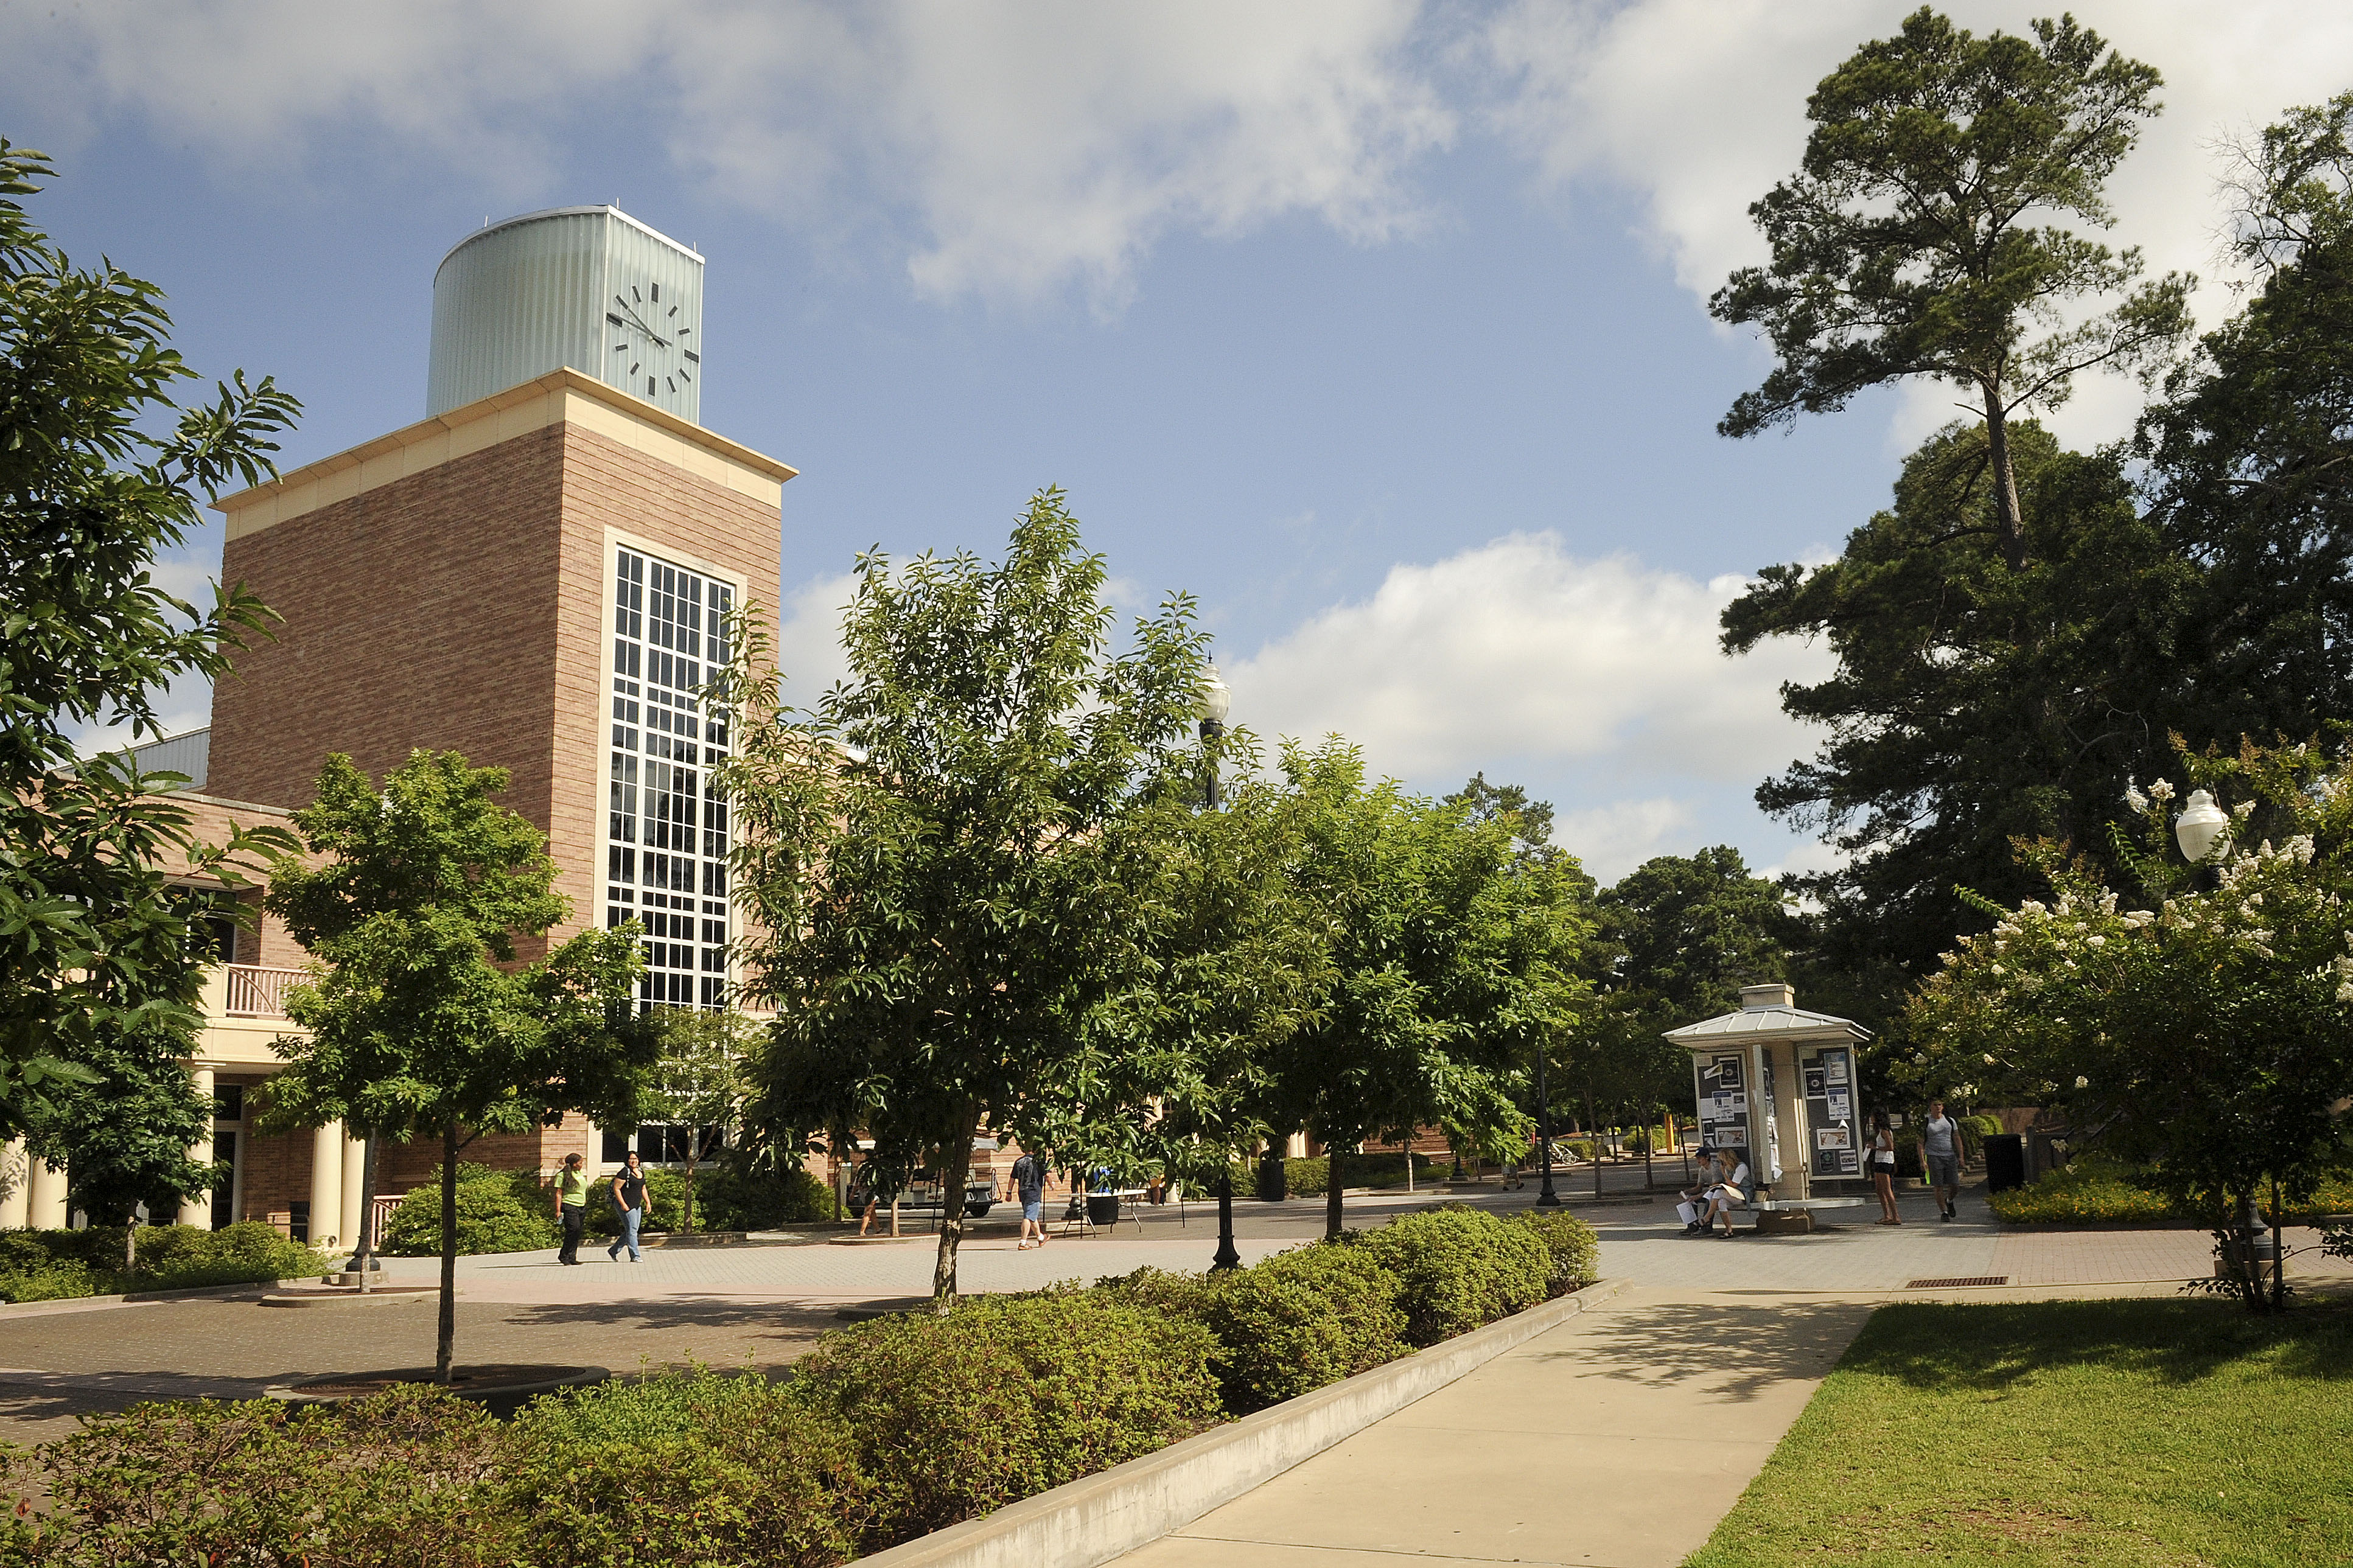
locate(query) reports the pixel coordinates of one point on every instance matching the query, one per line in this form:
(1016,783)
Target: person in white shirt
(1732,1190)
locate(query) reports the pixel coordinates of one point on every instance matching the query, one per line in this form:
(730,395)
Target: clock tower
(587,287)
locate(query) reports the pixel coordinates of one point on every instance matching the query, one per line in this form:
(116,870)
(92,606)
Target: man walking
(630,1198)
(572,1208)
(1940,1151)
(1030,1186)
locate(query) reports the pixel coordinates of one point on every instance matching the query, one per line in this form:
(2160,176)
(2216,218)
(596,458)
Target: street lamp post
(1211,702)
(1545,1197)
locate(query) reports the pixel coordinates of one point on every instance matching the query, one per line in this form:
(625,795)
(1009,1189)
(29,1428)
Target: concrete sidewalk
(1619,1438)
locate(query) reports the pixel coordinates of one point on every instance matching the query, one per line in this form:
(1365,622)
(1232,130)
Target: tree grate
(1953,1283)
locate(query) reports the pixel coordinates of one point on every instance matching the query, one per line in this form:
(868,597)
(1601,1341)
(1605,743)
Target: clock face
(653,346)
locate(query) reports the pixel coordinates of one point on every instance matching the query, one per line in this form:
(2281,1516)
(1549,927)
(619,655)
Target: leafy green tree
(1452,963)
(1686,933)
(2200,1024)
(422,1024)
(1230,960)
(698,1082)
(925,917)
(2248,453)
(99,472)
(123,1138)
(1973,701)
(1908,244)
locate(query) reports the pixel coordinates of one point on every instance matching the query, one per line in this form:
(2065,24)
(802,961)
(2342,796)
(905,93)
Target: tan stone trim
(561,397)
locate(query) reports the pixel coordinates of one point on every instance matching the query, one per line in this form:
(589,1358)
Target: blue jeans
(630,1220)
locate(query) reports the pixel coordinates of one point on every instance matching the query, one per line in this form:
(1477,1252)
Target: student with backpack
(1029,1187)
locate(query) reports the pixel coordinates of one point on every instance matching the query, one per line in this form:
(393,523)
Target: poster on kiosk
(1721,1082)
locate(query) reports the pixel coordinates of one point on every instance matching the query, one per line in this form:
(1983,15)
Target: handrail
(254,991)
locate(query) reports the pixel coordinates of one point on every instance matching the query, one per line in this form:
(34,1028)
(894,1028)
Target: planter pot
(1102,1208)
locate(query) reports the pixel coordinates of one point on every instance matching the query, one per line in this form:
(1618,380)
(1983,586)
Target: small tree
(698,1082)
(99,472)
(125,1137)
(921,920)
(1908,244)
(2208,1032)
(422,1024)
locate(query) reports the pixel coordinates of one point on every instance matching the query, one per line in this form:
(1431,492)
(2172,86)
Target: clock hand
(637,320)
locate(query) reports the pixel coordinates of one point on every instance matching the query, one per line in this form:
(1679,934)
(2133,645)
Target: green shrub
(1982,1127)
(52,1265)
(395,1479)
(1185,1296)
(1570,1244)
(1458,1269)
(1309,1176)
(730,1195)
(1300,1319)
(1005,1396)
(498,1210)
(684,1466)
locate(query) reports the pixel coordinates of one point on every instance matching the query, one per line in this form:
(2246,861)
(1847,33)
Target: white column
(15,1178)
(326,1183)
(347,1221)
(198,1211)
(45,1197)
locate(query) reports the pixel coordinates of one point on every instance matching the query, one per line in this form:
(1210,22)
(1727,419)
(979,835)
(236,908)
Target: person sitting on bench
(1695,1198)
(1732,1190)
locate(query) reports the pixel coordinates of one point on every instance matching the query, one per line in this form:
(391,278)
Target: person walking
(630,1198)
(572,1207)
(1030,1186)
(1881,1153)
(861,1197)
(1941,1151)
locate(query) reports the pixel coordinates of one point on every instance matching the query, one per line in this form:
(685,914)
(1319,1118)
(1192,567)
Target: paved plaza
(761,1304)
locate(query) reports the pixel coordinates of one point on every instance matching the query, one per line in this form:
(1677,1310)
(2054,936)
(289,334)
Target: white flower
(2095,942)
(2133,798)
(2160,790)
(2243,810)
(2083,1082)
(1988,1061)
(2301,847)
(2345,992)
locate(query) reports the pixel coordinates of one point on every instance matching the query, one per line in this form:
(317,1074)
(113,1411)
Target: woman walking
(1882,1167)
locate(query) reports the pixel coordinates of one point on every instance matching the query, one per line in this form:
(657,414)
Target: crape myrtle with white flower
(2198,1020)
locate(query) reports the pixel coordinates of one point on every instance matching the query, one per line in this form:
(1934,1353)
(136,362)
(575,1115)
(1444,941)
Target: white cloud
(1021,149)
(1517,655)
(1611,840)
(1698,107)
(809,638)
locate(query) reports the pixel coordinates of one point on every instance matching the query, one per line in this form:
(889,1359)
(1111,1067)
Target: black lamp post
(1545,1197)
(1210,701)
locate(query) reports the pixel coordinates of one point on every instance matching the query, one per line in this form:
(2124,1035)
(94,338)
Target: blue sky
(1378,326)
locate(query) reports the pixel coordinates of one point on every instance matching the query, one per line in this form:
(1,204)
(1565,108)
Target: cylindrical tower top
(590,288)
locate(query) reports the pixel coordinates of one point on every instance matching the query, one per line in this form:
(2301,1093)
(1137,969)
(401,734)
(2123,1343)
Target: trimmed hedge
(498,1210)
(52,1265)
(1572,1250)
(884,1432)
(2101,1192)
(1458,1267)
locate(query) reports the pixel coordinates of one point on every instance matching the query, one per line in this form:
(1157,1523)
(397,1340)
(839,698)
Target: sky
(1378,326)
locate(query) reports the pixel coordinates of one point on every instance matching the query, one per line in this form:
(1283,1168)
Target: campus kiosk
(1777,1083)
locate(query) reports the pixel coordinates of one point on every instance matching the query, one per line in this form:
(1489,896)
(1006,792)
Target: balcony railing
(257,993)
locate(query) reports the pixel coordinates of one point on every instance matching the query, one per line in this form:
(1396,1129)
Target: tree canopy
(927,917)
(421,1023)
(1907,243)
(100,471)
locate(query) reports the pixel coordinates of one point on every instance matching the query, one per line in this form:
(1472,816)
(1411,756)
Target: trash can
(1273,1182)
(1102,1208)
(2005,1158)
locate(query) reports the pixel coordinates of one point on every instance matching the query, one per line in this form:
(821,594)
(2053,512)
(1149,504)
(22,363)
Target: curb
(56,1304)
(1097,1517)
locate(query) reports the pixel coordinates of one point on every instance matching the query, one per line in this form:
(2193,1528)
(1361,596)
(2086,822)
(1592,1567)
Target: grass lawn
(2148,1433)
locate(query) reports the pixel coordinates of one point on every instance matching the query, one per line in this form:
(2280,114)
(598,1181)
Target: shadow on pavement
(1739,1348)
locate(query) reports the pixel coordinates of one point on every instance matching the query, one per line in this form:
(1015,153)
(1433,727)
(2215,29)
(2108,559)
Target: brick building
(534,575)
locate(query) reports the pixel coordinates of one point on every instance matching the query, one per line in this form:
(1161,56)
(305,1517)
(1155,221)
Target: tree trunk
(1650,1152)
(447,1330)
(1593,1132)
(685,1211)
(364,1249)
(130,1239)
(1332,1200)
(955,1166)
(2005,481)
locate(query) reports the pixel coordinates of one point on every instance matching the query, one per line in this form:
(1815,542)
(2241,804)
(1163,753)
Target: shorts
(1944,1171)
(1031,1208)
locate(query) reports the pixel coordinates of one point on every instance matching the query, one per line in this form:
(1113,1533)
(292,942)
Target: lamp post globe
(2201,824)
(1210,697)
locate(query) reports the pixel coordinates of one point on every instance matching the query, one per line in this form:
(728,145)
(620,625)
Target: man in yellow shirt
(572,1207)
